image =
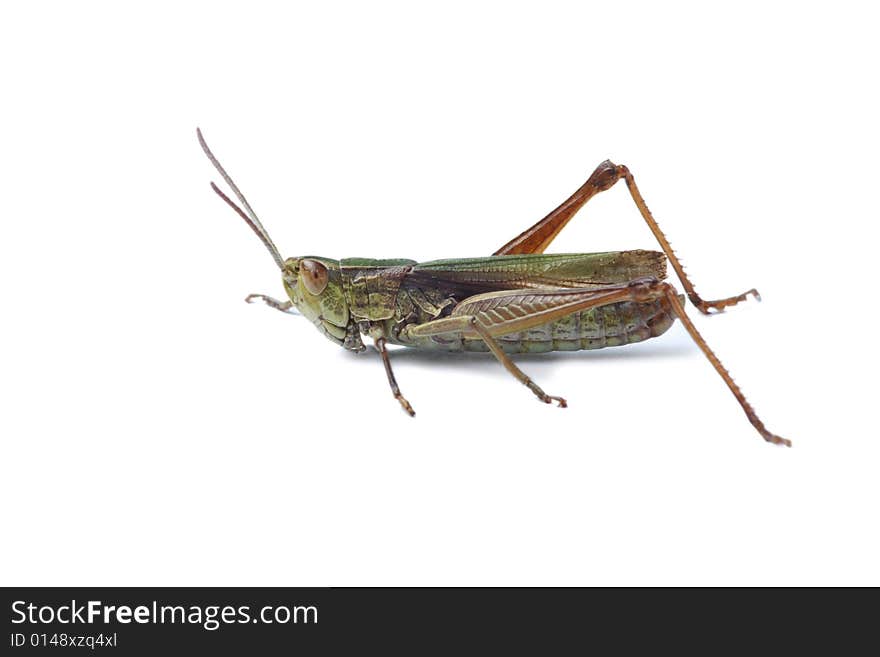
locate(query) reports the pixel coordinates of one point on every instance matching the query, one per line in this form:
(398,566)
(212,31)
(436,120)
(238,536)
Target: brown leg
(672,297)
(537,238)
(471,325)
(494,314)
(511,367)
(395,390)
(283,306)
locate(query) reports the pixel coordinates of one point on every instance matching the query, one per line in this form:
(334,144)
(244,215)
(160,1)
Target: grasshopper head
(314,286)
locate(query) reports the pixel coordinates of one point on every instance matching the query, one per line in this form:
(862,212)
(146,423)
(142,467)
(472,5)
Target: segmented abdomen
(613,325)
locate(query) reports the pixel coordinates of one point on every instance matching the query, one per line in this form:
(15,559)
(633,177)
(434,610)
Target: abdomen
(613,325)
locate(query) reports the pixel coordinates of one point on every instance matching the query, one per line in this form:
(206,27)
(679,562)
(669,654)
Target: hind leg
(537,238)
(492,315)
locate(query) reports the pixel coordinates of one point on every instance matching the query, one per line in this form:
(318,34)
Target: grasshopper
(518,300)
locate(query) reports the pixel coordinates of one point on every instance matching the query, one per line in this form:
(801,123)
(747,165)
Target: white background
(158,430)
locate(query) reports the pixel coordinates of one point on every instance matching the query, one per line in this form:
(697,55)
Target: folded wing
(533,271)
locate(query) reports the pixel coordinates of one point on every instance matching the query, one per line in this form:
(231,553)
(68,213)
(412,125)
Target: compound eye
(314,276)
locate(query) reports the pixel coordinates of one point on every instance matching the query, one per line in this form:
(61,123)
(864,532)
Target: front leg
(283,306)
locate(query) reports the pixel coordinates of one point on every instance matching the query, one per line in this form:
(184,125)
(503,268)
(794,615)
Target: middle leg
(511,367)
(382,348)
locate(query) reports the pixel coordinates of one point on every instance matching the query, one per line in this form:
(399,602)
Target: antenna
(248,213)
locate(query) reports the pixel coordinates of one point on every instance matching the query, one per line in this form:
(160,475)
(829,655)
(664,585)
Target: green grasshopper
(516,301)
